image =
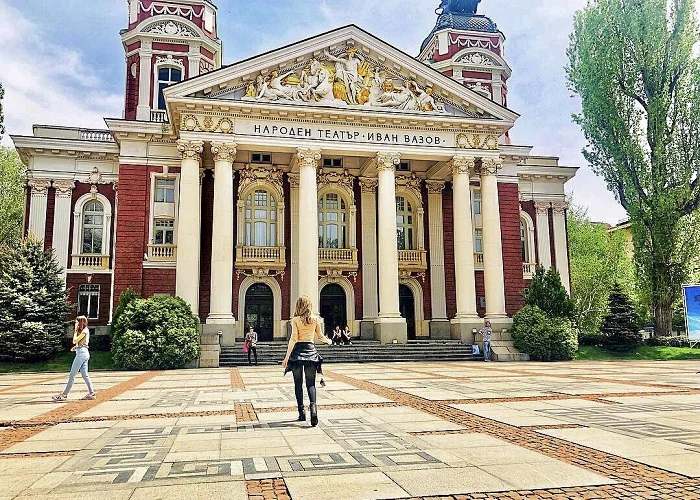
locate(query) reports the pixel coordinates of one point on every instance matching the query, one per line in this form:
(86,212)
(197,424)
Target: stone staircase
(361,351)
(502,348)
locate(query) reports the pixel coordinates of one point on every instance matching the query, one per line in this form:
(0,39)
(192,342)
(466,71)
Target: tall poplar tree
(2,115)
(633,64)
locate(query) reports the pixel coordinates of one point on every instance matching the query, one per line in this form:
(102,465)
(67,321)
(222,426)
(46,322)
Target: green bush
(155,333)
(547,293)
(621,325)
(33,304)
(668,342)
(127,297)
(592,339)
(542,337)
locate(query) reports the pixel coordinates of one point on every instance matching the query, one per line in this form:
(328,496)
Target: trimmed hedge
(668,342)
(155,333)
(543,337)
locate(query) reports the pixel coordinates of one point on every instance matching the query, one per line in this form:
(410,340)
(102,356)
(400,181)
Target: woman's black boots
(314,414)
(302,414)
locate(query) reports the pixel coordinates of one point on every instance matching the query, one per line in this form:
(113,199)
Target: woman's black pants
(299,372)
(254,351)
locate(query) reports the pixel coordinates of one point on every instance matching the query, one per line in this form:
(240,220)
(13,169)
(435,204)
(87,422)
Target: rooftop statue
(461,7)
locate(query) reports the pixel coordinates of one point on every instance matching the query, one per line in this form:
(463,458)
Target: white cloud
(45,82)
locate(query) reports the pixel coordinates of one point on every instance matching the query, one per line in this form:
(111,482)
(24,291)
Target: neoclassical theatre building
(384,186)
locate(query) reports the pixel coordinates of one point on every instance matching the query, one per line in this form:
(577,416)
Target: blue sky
(61,61)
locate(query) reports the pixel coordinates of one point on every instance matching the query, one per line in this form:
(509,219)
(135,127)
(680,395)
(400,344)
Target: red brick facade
(512,246)
(104,280)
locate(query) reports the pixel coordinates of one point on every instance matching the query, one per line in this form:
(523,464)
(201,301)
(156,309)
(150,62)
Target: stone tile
(230,490)
(543,475)
(357,486)
(435,482)
(687,464)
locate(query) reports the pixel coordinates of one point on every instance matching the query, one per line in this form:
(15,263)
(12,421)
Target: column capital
(388,161)
(463,164)
(39,186)
(64,187)
(491,166)
(369,184)
(542,207)
(190,150)
(293,180)
(223,151)
(308,157)
(559,207)
(435,187)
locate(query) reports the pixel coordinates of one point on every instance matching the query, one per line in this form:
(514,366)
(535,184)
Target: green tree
(2,114)
(598,260)
(33,303)
(632,63)
(547,293)
(12,193)
(621,325)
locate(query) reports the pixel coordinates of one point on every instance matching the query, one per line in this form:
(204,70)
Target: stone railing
(96,135)
(413,260)
(90,261)
(159,116)
(528,270)
(253,257)
(337,258)
(162,252)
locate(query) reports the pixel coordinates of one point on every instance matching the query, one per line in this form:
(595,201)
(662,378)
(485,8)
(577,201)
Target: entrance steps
(361,351)
(503,348)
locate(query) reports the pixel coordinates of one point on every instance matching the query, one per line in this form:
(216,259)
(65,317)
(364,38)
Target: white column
(294,266)
(544,251)
(561,253)
(143,111)
(370,285)
(308,224)
(194,57)
(465,285)
(189,224)
(61,221)
(493,251)
(37,207)
(438,300)
(222,235)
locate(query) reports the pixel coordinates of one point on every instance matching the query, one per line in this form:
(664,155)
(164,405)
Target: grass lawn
(645,352)
(61,363)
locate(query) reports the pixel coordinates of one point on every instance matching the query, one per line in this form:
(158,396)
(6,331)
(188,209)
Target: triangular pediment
(347,68)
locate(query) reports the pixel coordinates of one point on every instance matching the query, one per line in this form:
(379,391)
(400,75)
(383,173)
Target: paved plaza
(407,430)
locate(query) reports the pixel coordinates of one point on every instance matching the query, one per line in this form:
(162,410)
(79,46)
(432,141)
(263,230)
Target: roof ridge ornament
(460,7)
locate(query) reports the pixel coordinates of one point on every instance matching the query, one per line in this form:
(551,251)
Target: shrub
(542,337)
(33,304)
(155,333)
(592,339)
(668,342)
(548,294)
(621,325)
(127,297)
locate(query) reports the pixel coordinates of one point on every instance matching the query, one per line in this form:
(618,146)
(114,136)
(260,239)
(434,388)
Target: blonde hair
(81,323)
(303,309)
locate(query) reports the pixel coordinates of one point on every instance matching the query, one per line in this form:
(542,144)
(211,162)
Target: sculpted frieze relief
(271,177)
(170,28)
(345,79)
(206,123)
(477,140)
(342,180)
(410,183)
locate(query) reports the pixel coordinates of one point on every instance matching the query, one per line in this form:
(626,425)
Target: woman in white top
(81,339)
(302,357)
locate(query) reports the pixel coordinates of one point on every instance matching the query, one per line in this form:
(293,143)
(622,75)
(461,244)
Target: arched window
(523,240)
(167,76)
(404,224)
(527,238)
(261,219)
(93,228)
(332,221)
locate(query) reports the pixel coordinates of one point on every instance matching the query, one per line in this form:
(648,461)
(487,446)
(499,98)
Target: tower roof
(462,22)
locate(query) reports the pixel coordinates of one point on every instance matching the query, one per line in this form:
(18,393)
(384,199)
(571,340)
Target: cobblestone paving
(387,431)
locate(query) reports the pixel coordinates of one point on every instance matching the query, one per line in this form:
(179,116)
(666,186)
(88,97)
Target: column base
(388,330)
(463,328)
(210,348)
(367,329)
(227,329)
(440,329)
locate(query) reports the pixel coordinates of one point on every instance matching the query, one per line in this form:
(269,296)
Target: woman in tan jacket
(302,357)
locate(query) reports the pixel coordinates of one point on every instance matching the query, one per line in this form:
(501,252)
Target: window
(89,301)
(332,163)
(164,232)
(404,224)
(165,190)
(404,166)
(166,78)
(477,202)
(523,241)
(261,158)
(332,222)
(260,219)
(93,227)
(478,241)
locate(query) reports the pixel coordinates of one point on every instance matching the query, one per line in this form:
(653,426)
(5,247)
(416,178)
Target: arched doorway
(333,307)
(407,308)
(259,305)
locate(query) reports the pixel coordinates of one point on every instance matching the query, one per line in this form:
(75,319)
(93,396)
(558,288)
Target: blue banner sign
(691,298)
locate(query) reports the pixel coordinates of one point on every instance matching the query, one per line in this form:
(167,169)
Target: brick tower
(167,41)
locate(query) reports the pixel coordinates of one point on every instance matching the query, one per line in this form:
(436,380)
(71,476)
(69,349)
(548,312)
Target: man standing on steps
(251,338)
(485,332)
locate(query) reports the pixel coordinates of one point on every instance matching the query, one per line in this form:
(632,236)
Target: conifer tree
(621,325)
(547,292)
(33,303)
